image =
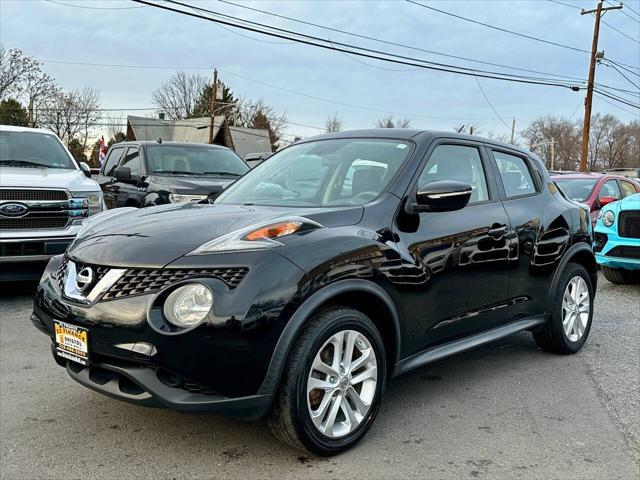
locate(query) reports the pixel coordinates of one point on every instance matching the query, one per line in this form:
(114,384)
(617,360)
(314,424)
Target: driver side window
(610,189)
(460,163)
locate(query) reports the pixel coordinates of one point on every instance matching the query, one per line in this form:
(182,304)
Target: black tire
(620,276)
(289,418)
(551,336)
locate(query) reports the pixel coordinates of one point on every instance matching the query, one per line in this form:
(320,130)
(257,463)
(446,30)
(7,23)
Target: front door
(131,193)
(456,263)
(106,178)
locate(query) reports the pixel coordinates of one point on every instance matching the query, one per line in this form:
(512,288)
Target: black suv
(342,261)
(142,174)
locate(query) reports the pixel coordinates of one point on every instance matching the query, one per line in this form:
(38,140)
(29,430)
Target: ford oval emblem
(13,209)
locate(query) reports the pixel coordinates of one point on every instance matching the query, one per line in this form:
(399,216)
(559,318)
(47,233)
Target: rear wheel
(333,383)
(620,275)
(571,313)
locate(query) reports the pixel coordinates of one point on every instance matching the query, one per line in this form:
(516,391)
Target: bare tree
(14,66)
(262,116)
(333,123)
(178,96)
(562,133)
(72,115)
(389,122)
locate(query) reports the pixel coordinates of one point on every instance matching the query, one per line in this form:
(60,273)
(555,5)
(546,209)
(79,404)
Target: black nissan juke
(342,261)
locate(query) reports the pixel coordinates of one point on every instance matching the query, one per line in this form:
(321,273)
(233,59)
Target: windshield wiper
(229,174)
(26,163)
(175,172)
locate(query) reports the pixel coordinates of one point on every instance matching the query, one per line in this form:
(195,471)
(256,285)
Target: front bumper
(613,251)
(217,368)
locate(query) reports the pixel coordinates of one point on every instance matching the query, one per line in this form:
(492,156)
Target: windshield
(321,173)
(33,149)
(577,189)
(196,160)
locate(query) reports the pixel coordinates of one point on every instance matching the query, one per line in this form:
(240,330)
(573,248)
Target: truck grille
(629,224)
(24,194)
(625,251)
(142,282)
(34,222)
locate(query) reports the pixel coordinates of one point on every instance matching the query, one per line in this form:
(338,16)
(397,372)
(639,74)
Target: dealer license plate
(72,342)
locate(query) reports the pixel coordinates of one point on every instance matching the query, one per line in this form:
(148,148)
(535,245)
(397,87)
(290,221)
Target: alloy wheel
(576,305)
(342,383)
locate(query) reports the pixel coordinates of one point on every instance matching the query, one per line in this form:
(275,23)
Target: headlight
(608,218)
(180,198)
(257,237)
(85,204)
(188,305)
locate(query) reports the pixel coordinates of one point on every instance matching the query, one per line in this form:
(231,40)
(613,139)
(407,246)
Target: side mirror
(441,196)
(84,166)
(606,201)
(123,174)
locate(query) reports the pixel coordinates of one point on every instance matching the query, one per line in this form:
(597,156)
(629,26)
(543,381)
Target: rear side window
(113,158)
(132,161)
(515,174)
(627,188)
(610,189)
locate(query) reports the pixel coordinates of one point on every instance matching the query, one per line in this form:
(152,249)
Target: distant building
(196,130)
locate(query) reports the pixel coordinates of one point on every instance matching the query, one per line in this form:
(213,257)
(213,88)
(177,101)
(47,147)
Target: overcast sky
(119,32)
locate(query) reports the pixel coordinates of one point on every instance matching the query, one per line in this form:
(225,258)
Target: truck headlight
(608,218)
(180,198)
(188,305)
(85,204)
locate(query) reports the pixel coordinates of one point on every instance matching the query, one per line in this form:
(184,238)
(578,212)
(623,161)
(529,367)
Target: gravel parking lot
(507,410)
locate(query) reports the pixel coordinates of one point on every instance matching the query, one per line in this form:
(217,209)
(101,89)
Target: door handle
(498,231)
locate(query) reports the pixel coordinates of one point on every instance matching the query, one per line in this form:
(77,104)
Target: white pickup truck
(44,197)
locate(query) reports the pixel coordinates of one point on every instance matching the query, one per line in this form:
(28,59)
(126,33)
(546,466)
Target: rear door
(106,178)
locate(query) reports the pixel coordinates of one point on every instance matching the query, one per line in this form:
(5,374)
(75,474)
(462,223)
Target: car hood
(156,236)
(72,180)
(192,185)
(632,202)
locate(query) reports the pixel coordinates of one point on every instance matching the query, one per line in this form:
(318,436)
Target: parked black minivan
(142,174)
(341,262)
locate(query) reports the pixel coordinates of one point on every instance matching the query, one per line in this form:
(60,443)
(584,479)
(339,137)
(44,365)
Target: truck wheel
(571,313)
(332,385)
(620,276)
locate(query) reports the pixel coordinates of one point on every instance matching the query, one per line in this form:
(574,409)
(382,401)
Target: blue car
(617,240)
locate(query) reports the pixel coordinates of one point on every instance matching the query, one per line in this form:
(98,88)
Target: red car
(596,189)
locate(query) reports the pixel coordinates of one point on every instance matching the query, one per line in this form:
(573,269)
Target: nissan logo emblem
(84,278)
(13,209)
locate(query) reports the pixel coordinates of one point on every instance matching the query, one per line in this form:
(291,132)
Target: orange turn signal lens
(274,231)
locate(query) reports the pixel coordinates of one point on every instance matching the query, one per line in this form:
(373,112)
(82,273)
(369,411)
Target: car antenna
(159,140)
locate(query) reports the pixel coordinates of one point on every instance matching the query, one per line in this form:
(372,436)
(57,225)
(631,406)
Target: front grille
(61,271)
(629,224)
(625,251)
(38,222)
(23,194)
(145,281)
(32,247)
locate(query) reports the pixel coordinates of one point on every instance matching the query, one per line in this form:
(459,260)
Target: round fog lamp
(608,218)
(188,305)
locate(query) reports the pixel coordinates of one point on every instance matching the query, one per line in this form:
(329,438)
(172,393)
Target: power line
(623,67)
(617,99)
(615,105)
(374,54)
(94,8)
(625,13)
(512,32)
(622,74)
(620,32)
(484,94)
(396,44)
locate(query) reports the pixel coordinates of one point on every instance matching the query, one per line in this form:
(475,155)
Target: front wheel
(620,276)
(332,385)
(571,313)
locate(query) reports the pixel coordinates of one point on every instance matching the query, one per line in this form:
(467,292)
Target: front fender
(304,312)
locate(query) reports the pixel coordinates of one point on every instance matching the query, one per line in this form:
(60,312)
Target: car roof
(413,134)
(13,128)
(174,144)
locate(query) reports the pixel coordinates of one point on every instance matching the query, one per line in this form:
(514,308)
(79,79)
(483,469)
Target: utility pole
(214,94)
(513,130)
(599,11)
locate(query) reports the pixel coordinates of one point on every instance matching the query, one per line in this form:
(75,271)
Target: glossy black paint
(432,282)
(149,189)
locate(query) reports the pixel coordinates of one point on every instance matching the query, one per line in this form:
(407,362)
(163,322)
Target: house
(196,130)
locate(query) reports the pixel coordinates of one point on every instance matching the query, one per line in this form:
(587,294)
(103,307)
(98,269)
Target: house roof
(196,130)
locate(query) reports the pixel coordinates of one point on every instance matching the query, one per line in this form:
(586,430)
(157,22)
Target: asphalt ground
(503,411)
